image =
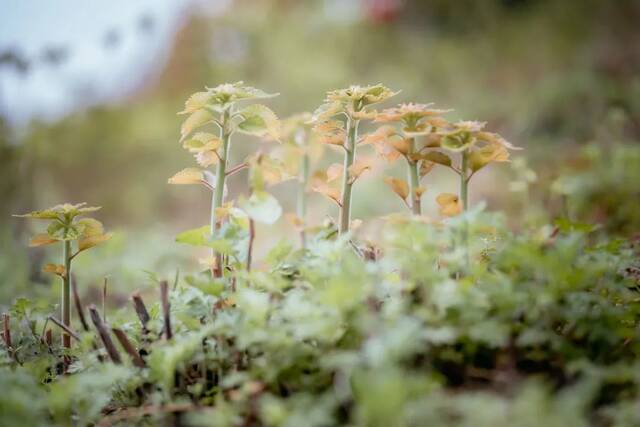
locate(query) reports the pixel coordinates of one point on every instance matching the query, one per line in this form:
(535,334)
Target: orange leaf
(399,186)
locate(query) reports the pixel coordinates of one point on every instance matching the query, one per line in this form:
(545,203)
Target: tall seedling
(299,149)
(337,121)
(67,226)
(418,122)
(219,107)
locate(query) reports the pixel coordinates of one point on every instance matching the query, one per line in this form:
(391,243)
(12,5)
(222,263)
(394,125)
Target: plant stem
(66,293)
(464,181)
(414,181)
(347,184)
(303,179)
(464,197)
(218,192)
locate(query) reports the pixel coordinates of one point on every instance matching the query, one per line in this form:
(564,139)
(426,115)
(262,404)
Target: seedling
(298,150)
(337,121)
(66,225)
(475,148)
(416,120)
(218,106)
(261,206)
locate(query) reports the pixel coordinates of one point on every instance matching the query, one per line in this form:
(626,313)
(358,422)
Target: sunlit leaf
(358,167)
(196,101)
(90,227)
(57,269)
(42,240)
(187,176)
(449,204)
(195,120)
(399,186)
(438,157)
(196,236)
(488,154)
(426,166)
(259,120)
(91,241)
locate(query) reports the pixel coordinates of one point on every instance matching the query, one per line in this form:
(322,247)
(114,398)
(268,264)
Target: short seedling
(67,226)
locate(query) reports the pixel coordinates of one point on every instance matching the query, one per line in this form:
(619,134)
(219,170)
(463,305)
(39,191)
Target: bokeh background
(89,93)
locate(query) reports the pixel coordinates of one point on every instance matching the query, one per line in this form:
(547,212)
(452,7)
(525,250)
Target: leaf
(196,236)
(202,141)
(399,186)
(65,212)
(57,269)
(259,120)
(330,192)
(402,146)
(42,240)
(195,120)
(196,101)
(187,176)
(207,158)
(438,157)
(358,168)
(381,134)
(262,207)
(60,231)
(91,241)
(334,172)
(458,142)
(487,154)
(426,166)
(90,227)
(449,204)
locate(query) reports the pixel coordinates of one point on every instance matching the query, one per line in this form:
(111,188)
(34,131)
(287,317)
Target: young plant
(337,121)
(297,152)
(416,120)
(261,206)
(219,106)
(66,225)
(475,148)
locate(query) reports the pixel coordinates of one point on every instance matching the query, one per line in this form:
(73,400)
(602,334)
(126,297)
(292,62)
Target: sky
(111,47)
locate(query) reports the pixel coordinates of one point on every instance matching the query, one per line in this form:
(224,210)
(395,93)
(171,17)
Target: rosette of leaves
(337,121)
(220,108)
(69,226)
(475,148)
(409,138)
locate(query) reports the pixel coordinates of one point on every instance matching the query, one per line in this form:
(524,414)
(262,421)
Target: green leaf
(259,120)
(262,207)
(196,236)
(438,157)
(201,236)
(195,120)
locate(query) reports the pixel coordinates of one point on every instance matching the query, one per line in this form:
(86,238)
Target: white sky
(91,73)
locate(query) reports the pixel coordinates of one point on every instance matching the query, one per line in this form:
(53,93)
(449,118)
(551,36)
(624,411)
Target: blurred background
(89,93)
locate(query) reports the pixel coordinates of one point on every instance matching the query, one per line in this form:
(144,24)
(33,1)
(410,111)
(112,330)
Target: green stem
(303,179)
(464,181)
(66,293)
(349,158)
(414,181)
(464,197)
(218,192)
